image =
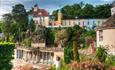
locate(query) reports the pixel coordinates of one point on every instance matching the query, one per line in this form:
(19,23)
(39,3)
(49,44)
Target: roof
(40,12)
(110,23)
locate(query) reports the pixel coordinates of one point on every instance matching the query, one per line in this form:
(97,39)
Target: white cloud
(6,5)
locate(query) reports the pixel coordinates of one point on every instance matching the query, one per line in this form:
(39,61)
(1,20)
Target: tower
(59,17)
(35,8)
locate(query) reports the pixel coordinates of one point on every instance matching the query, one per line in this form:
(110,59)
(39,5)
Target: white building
(88,23)
(106,33)
(113,8)
(40,16)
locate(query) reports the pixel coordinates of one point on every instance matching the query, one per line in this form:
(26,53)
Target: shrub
(101,54)
(68,53)
(6,55)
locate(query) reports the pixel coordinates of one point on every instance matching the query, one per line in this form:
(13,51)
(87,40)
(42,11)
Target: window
(98,23)
(79,23)
(83,23)
(88,23)
(101,35)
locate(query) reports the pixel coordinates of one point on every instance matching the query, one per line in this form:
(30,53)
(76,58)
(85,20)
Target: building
(113,8)
(87,23)
(38,52)
(40,16)
(106,35)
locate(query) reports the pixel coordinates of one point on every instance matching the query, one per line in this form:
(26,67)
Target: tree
(1,22)
(82,10)
(6,26)
(61,37)
(102,11)
(21,18)
(87,11)
(76,44)
(74,38)
(50,36)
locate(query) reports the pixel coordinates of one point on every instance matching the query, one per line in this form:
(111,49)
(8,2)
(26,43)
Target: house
(87,23)
(106,35)
(40,16)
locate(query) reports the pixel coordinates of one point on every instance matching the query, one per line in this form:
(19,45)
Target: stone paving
(22,65)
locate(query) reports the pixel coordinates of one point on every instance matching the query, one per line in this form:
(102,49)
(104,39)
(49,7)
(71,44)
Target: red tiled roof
(42,11)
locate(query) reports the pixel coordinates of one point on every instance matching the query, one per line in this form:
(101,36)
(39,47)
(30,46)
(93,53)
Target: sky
(49,5)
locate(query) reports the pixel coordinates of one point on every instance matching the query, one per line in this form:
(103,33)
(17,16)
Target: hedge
(6,55)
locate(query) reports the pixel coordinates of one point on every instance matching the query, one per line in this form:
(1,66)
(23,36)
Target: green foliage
(101,54)
(68,53)
(50,36)
(20,16)
(61,37)
(1,22)
(6,26)
(110,60)
(27,42)
(6,55)
(82,10)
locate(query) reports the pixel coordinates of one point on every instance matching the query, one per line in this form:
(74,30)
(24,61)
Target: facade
(106,35)
(87,23)
(113,8)
(39,54)
(40,16)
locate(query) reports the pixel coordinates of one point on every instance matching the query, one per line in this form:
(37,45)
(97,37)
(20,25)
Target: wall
(58,53)
(112,10)
(108,39)
(88,23)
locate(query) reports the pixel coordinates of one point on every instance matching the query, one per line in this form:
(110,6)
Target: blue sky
(49,5)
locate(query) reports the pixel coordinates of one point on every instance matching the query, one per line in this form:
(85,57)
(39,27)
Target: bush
(27,42)
(101,54)
(68,53)
(110,60)
(6,55)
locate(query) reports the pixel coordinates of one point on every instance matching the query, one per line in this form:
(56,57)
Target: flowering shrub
(96,65)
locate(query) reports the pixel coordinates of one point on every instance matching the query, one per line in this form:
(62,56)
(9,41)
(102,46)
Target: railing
(51,49)
(39,48)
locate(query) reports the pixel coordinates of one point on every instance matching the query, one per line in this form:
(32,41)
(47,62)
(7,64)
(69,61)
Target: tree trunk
(75,51)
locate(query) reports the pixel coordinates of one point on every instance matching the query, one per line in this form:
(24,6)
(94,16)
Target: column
(43,57)
(36,56)
(46,57)
(17,53)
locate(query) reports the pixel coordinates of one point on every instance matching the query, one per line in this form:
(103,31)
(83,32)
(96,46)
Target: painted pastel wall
(108,39)
(88,23)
